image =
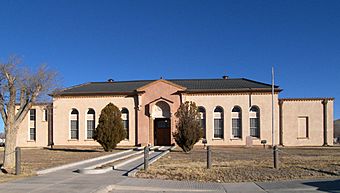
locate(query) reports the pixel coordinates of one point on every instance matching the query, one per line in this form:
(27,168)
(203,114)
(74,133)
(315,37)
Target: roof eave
(276,90)
(92,94)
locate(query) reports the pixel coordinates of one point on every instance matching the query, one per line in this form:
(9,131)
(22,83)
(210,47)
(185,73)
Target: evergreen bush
(110,130)
(188,131)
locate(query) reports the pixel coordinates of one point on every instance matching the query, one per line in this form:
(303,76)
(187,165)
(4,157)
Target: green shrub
(188,131)
(109,131)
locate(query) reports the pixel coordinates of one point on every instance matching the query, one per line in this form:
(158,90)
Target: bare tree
(19,84)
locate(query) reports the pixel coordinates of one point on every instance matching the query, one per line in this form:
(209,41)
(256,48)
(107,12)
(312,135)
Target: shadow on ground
(332,186)
(74,150)
(82,150)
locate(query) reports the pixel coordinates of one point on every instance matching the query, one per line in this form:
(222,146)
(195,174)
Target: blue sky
(127,40)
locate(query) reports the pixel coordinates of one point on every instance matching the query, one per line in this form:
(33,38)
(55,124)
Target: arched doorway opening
(162,123)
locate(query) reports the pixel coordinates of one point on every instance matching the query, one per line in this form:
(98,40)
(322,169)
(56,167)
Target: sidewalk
(68,181)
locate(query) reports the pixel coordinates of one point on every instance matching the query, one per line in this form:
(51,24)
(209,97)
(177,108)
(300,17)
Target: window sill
(73,140)
(88,139)
(302,138)
(236,138)
(217,139)
(31,141)
(255,138)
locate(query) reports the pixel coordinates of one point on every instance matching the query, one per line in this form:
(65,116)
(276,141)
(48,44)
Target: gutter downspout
(325,142)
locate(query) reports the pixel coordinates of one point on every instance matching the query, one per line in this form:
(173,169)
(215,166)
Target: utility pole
(273,132)
(275,148)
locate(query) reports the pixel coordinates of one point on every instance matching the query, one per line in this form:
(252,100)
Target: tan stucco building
(231,111)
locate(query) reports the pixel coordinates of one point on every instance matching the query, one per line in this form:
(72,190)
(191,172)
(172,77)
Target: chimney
(225,77)
(110,80)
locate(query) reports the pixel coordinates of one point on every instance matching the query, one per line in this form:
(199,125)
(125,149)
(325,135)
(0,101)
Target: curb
(117,159)
(128,161)
(91,170)
(54,169)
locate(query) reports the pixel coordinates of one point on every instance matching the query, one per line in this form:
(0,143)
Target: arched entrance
(162,123)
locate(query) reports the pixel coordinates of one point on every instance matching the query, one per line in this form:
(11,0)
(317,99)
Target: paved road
(68,181)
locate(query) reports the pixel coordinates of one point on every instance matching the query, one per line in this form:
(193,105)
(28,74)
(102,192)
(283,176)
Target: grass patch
(35,159)
(232,164)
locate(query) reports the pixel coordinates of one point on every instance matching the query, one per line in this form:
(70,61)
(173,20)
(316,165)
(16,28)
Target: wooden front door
(162,128)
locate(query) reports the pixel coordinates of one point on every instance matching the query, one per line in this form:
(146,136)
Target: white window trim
(69,126)
(85,138)
(29,127)
(231,124)
(259,124)
(213,123)
(129,122)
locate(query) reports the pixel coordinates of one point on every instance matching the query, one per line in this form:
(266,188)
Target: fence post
(17,161)
(146,158)
(276,157)
(208,157)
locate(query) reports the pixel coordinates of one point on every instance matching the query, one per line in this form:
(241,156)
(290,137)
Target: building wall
(336,128)
(62,107)
(153,93)
(245,101)
(141,132)
(23,139)
(313,110)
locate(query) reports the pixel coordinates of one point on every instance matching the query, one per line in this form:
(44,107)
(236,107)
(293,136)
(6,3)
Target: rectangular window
(254,127)
(90,128)
(32,134)
(32,114)
(236,127)
(302,127)
(74,129)
(218,128)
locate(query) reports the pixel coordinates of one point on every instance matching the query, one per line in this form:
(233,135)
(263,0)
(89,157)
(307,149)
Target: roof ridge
(123,81)
(205,79)
(126,81)
(276,86)
(78,85)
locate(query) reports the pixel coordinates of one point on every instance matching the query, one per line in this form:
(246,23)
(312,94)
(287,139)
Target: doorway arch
(162,123)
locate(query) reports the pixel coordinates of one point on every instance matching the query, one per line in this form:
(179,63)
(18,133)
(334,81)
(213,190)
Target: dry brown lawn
(34,159)
(232,164)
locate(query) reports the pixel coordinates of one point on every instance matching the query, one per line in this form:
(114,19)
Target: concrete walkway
(68,181)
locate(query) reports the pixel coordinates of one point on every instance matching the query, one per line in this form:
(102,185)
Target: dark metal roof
(220,84)
(307,99)
(191,85)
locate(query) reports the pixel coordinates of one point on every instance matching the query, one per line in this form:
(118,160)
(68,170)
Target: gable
(161,81)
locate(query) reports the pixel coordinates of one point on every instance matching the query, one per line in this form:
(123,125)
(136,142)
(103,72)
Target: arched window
(125,117)
(254,116)
(218,122)
(90,123)
(201,111)
(236,121)
(74,124)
